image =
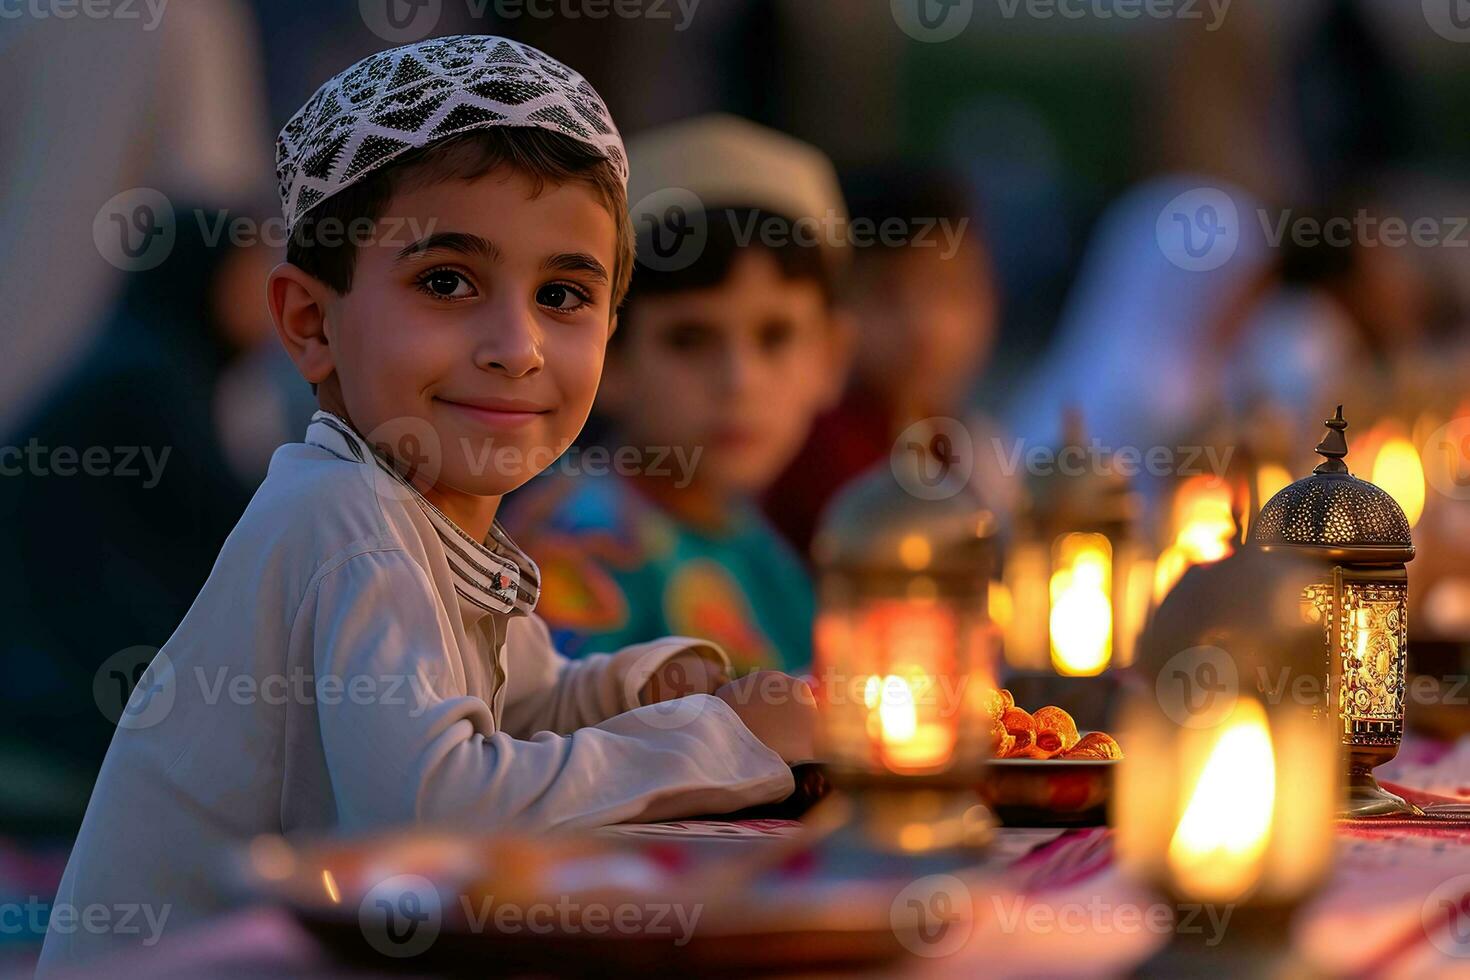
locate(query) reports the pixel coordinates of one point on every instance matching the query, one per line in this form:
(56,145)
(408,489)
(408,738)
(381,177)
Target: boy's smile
(491,329)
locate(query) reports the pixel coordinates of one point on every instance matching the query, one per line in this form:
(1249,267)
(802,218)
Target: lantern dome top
(898,517)
(1335,513)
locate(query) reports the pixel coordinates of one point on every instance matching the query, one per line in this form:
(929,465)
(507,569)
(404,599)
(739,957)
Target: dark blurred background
(1082,133)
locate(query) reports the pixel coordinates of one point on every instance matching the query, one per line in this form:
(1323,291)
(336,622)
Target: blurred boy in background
(727,348)
(925,312)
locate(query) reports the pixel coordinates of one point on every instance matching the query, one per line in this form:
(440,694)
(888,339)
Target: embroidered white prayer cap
(730,162)
(409,97)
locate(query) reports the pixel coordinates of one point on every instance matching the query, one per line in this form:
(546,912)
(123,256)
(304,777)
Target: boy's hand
(779,709)
(681,675)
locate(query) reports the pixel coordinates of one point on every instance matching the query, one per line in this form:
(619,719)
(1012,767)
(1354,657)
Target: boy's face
(491,327)
(736,371)
(925,323)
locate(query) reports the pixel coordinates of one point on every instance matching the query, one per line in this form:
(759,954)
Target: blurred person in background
(925,308)
(721,360)
(1323,316)
(117,496)
(167,97)
(1134,351)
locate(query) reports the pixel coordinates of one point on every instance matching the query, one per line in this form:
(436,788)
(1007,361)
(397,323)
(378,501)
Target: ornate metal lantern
(1361,540)
(905,649)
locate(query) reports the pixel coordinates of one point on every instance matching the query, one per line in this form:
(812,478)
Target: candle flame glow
(1217,848)
(906,740)
(1081,605)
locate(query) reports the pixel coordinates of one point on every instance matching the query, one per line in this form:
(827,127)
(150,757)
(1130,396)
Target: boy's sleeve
(427,751)
(549,692)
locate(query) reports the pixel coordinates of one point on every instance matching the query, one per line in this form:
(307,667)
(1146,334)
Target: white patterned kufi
(405,98)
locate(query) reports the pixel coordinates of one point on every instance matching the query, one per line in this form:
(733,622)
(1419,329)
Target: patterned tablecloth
(1046,902)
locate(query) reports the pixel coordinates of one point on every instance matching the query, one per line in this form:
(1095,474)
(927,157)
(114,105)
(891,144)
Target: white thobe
(355,662)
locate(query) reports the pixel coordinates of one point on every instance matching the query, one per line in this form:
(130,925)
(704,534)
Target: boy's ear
(841,346)
(298,302)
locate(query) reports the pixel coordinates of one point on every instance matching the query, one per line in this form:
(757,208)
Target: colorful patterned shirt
(615,564)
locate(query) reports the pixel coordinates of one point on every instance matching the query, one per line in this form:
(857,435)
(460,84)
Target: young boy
(723,357)
(364,652)
(925,313)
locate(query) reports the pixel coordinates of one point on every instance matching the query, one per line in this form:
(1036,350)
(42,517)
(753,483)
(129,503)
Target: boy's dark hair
(729,232)
(911,192)
(324,243)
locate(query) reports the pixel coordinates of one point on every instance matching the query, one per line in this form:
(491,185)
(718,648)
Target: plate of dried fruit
(1043,772)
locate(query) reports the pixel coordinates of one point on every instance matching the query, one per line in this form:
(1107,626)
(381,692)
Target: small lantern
(1078,574)
(905,650)
(1227,792)
(1360,539)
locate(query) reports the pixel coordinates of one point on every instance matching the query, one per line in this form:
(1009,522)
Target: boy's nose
(510,342)
(738,369)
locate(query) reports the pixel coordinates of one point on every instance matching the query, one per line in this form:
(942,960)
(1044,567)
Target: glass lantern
(1360,539)
(1227,794)
(1078,574)
(905,649)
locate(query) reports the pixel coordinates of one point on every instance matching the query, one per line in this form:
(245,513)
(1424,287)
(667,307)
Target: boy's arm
(547,692)
(424,750)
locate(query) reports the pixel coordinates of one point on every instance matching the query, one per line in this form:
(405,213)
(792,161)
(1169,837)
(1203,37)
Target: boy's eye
(561,296)
(688,337)
(446,284)
(776,334)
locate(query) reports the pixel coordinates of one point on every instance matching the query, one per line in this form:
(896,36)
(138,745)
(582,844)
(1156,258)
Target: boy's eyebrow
(578,262)
(451,241)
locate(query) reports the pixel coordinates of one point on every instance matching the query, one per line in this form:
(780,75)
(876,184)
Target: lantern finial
(1333,446)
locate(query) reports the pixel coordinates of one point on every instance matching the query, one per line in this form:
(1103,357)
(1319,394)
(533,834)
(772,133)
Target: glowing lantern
(1360,538)
(1078,577)
(1229,786)
(1398,469)
(905,649)
(1203,526)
